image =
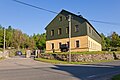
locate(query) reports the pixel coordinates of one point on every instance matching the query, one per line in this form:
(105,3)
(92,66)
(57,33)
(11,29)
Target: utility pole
(4,42)
(69,37)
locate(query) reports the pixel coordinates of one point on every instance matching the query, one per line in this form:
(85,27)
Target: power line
(105,22)
(35,6)
(111,23)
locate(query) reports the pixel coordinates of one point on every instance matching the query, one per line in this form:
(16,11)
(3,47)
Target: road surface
(18,68)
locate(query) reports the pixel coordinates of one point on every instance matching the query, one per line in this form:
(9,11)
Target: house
(84,37)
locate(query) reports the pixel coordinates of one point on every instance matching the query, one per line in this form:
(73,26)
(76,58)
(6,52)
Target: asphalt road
(18,68)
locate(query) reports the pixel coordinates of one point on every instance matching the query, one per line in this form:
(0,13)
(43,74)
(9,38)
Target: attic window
(60,18)
(76,28)
(67,30)
(59,31)
(52,32)
(89,30)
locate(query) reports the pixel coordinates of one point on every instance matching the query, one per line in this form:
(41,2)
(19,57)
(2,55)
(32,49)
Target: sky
(30,20)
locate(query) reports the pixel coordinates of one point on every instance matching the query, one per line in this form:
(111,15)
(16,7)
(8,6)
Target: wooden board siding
(93,34)
(56,24)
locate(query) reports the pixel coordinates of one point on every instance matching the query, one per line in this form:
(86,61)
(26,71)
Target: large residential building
(84,37)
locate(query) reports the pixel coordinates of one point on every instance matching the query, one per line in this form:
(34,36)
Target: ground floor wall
(78,44)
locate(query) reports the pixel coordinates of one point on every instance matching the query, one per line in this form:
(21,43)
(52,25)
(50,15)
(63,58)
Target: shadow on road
(89,72)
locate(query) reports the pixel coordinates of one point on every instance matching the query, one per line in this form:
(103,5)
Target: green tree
(9,37)
(40,40)
(1,36)
(17,38)
(103,43)
(115,40)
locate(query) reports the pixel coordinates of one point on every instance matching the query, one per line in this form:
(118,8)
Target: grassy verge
(117,77)
(51,61)
(57,61)
(65,62)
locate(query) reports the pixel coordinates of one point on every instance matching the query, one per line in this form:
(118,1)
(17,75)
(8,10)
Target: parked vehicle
(18,53)
(64,48)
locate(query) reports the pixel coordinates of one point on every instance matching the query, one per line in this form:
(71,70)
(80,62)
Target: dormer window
(60,18)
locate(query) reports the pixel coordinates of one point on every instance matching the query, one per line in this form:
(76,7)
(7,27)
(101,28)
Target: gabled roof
(78,16)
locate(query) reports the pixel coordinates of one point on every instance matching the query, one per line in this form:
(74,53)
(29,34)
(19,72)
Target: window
(76,28)
(66,18)
(67,29)
(68,44)
(52,32)
(89,30)
(60,18)
(59,44)
(52,45)
(59,31)
(77,44)
(93,32)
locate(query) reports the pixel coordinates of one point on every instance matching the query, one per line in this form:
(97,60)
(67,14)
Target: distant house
(84,37)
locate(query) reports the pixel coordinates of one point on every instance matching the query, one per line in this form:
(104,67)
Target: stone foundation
(81,57)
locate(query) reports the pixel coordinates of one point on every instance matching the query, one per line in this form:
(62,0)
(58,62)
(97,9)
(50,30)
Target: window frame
(52,45)
(89,29)
(60,44)
(59,31)
(67,30)
(76,28)
(77,42)
(52,32)
(60,18)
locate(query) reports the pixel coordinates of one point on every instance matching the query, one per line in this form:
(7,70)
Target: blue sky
(31,20)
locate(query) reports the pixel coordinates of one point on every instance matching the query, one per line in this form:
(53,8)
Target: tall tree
(1,36)
(9,36)
(115,40)
(103,43)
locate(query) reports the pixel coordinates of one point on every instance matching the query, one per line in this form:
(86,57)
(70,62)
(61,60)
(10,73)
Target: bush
(116,77)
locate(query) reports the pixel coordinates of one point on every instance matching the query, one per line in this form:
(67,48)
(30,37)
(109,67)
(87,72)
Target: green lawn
(117,77)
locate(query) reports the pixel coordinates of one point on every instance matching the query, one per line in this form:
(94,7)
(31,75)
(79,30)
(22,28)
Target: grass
(116,77)
(65,62)
(51,61)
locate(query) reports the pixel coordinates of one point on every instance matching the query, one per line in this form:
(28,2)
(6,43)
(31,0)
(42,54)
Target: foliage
(111,42)
(15,38)
(40,40)
(116,77)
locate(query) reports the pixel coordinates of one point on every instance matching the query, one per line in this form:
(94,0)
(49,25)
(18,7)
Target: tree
(17,38)
(115,40)
(40,40)
(1,36)
(9,36)
(103,43)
